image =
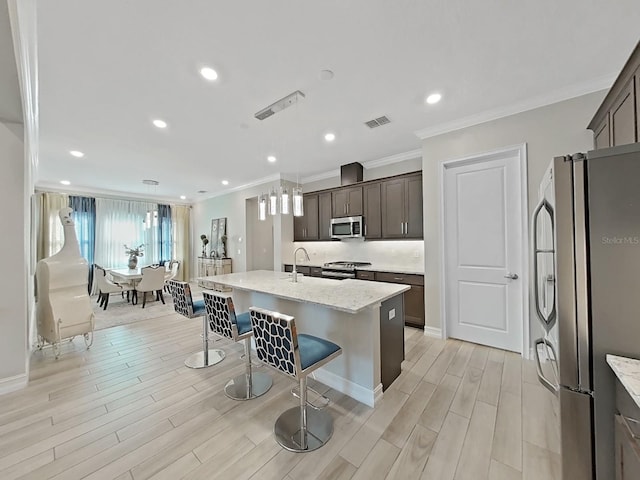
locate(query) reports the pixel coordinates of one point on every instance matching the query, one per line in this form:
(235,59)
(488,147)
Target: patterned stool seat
(279,345)
(222,319)
(184,305)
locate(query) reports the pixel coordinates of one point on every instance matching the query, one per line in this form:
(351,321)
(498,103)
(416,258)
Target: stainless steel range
(342,270)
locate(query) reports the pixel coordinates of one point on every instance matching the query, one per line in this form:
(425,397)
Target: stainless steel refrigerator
(586,265)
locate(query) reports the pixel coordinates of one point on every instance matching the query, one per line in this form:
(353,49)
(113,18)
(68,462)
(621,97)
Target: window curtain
(125,222)
(84,217)
(50,235)
(164,233)
(181,229)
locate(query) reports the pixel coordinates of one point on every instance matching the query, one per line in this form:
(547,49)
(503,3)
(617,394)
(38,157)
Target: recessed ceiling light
(183,197)
(330,137)
(76,153)
(209,73)
(65,182)
(160,123)
(434,98)
(271,158)
(225,182)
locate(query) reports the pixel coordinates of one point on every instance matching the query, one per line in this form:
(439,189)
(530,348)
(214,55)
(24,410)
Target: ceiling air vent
(377,122)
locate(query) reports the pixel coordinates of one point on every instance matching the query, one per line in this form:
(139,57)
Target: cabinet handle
(402,228)
(365,230)
(347,209)
(400,279)
(406,228)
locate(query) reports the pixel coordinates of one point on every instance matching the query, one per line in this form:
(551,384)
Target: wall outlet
(392,314)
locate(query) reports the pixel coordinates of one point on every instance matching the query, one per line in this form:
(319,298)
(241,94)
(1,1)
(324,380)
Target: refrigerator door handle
(553,388)
(550,320)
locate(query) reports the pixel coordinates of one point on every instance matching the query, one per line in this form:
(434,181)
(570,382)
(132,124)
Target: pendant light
(298,207)
(273,202)
(262,207)
(284,200)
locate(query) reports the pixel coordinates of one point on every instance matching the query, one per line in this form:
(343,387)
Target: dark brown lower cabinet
(627,452)
(627,435)
(391,340)
(413,299)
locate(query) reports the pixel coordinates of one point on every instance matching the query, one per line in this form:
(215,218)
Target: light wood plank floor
(129,409)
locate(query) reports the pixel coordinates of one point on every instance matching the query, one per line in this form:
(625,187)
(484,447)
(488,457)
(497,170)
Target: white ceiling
(10,106)
(107,68)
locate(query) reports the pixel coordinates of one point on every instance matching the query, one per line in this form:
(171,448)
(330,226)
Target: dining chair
(152,281)
(171,274)
(106,287)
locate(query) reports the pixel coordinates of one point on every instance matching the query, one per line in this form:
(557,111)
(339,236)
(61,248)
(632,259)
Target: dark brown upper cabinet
(402,208)
(391,207)
(306,227)
(602,135)
(372,211)
(347,202)
(623,116)
(617,120)
(324,216)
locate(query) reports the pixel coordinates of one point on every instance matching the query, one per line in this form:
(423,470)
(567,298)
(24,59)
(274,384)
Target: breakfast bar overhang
(365,318)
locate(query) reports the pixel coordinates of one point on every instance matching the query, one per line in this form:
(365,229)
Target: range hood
(350,173)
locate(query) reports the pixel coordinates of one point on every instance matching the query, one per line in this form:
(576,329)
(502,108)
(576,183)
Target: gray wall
(548,131)
(233,206)
(13,285)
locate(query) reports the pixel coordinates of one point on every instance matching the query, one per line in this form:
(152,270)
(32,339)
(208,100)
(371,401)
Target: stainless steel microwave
(347,227)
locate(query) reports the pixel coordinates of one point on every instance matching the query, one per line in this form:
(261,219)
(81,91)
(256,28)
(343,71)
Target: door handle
(552,387)
(512,276)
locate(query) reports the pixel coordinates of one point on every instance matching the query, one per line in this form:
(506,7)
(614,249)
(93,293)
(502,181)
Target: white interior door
(483,251)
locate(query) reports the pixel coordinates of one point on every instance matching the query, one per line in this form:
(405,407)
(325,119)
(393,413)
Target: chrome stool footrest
(288,430)
(197,360)
(295,391)
(239,388)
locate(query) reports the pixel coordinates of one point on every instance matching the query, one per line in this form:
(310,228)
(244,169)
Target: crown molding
(378,162)
(397,158)
(104,193)
(268,179)
(572,91)
(321,176)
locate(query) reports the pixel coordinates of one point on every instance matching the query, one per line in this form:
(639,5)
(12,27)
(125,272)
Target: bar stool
(279,345)
(184,305)
(223,320)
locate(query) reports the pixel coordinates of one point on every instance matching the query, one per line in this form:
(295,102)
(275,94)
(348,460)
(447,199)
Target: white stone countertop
(377,267)
(351,296)
(628,372)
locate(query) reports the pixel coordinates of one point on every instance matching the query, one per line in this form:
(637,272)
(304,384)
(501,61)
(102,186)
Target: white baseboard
(11,384)
(360,393)
(433,332)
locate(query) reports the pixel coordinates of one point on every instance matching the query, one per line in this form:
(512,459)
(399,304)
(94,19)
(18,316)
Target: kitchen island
(364,318)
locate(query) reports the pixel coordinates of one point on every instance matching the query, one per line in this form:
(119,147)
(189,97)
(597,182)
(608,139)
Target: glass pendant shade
(273,202)
(298,208)
(284,201)
(262,207)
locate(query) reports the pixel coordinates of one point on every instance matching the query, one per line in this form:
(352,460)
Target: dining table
(128,275)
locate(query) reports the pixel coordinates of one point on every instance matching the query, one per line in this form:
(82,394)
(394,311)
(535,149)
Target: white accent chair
(152,281)
(106,287)
(171,274)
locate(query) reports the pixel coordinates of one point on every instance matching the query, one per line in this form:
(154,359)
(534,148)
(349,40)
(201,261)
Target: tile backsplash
(401,253)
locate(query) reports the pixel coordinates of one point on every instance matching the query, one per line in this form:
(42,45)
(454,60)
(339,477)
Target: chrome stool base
(319,429)
(197,359)
(237,388)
